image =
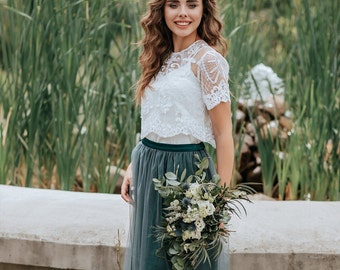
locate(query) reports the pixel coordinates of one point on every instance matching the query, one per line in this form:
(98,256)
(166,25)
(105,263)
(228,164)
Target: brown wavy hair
(157,43)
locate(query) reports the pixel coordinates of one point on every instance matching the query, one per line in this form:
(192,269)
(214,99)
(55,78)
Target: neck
(181,43)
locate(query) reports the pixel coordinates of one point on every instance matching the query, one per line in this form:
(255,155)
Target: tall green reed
(314,92)
(114,97)
(298,39)
(244,51)
(69,68)
(3,154)
(66,89)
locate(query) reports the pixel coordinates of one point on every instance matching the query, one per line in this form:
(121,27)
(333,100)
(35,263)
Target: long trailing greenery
(67,71)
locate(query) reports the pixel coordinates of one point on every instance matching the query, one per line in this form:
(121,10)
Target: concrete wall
(48,229)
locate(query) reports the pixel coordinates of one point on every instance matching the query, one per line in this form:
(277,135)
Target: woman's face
(183,17)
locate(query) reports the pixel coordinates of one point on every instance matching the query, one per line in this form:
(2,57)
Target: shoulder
(208,56)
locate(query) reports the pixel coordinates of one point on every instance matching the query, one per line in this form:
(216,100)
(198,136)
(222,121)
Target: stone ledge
(58,255)
(71,230)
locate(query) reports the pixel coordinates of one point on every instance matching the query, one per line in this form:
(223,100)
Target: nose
(183,11)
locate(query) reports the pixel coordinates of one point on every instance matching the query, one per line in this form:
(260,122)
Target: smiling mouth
(182,23)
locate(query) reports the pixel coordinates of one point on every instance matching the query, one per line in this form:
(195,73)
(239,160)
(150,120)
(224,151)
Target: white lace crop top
(191,82)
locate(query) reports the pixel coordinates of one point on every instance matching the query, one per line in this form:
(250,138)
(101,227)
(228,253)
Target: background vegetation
(67,70)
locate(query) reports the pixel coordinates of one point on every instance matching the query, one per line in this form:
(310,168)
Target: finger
(125,192)
(127,198)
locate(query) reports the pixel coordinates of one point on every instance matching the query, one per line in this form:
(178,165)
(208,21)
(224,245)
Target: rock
(248,140)
(245,161)
(261,120)
(254,179)
(245,148)
(257,157)
(285,122)
(275,105)
(249,129)
(240,116)
(271,128)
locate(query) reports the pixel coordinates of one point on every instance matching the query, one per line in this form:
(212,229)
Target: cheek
(199,17)
(200,14)
(196,15)
(167,16)
(167,21)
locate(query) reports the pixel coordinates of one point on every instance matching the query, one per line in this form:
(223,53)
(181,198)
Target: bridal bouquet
(196,212)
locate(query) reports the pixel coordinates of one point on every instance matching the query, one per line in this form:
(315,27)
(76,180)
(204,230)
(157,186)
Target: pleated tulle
(149,163)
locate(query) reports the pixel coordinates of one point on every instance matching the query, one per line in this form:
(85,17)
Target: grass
(66,90)
(69,89)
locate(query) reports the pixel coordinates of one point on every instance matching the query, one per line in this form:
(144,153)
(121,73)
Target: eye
(172,5)
(192,6)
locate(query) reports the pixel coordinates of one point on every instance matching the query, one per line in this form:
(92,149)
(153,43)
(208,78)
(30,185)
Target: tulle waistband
(173,147)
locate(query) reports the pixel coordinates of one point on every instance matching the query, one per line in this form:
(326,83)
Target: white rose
(206,208)
(195,191)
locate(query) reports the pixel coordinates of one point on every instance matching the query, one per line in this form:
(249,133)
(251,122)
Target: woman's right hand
(126,185)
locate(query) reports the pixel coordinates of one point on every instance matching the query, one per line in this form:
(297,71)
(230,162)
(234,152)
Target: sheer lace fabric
(191,82)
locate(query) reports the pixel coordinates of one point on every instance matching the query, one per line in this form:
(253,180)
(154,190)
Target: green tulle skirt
(152,160)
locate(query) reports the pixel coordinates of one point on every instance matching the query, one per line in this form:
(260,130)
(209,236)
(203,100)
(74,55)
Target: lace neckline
(183,57)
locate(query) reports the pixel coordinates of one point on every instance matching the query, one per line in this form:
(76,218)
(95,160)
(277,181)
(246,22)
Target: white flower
(174,203)
(197,235)
(168,228)
(187,234)
(261,81)
(207,196)
(191,215)
(189,247)
(206,208)
(194,191)
(173,216)
(200,225)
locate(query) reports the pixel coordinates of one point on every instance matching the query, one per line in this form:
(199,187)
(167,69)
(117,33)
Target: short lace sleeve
(213,74)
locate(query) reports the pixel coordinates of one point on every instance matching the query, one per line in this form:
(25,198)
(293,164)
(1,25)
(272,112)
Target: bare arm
(222,127)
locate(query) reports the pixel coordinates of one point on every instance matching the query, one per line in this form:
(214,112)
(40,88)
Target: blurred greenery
(67,75)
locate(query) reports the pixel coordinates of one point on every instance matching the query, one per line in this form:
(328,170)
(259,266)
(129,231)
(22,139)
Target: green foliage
(67,71)
(300,41)
(66,81)
(195,207)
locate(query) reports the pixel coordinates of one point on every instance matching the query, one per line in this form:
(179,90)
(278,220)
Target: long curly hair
(157,43)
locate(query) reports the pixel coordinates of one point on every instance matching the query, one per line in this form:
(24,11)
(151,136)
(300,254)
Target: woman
(185,102)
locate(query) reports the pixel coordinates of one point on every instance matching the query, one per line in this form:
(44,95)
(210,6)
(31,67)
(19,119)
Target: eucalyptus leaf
(173,183)
(204,163)
(170,176)
(173,251)
(183,175)
(216,179)
(189,179)
(203,176)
